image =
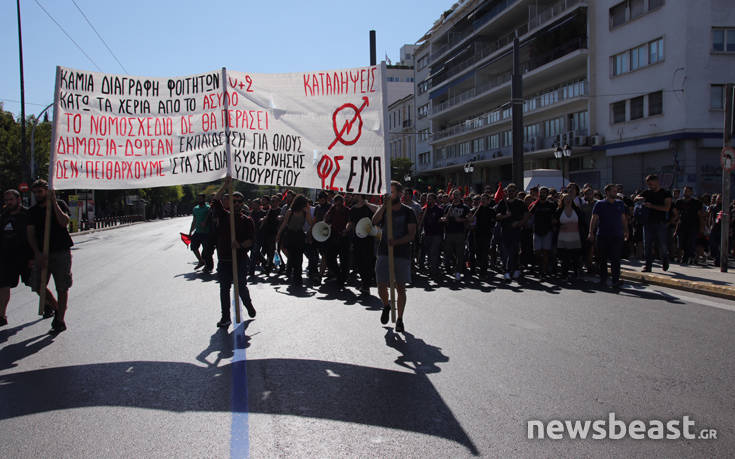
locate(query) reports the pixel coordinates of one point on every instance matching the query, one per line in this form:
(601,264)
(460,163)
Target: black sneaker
(199,265)
(3,321)
(617,285)
(646,269)
(251,310)
(399,326)
(665,265)
(57,326)
(385,315)
(48,313)
(224,323)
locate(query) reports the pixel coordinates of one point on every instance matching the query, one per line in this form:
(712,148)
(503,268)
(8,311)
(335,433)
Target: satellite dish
(321,231)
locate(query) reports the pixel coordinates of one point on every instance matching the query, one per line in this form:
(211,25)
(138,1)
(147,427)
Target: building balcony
(483,50)
(503,78)
(546,99)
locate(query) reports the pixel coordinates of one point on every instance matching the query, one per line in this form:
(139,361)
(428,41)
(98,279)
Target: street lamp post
(563,154)
(469,169)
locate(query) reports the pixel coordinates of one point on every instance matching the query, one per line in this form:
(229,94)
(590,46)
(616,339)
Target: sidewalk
(705,280)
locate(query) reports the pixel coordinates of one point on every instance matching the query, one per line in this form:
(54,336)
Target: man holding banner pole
(401,222)
(232,259)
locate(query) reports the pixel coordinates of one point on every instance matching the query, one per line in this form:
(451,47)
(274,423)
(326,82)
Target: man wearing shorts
(15,254)
(59,256)
(404,231)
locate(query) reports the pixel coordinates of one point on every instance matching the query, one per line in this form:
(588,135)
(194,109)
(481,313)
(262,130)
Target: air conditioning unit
(581,140)
(597,140)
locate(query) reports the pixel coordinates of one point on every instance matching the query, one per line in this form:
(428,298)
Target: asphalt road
(142,370)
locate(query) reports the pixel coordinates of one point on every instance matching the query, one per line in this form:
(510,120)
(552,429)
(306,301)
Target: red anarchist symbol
(347,126)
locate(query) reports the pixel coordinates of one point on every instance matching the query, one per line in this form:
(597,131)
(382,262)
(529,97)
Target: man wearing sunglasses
(243,240)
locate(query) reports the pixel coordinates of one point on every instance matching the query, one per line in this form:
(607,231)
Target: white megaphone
(321,231)
(365,228)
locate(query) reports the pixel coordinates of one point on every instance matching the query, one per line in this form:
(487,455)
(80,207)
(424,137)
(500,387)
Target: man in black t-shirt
(363,249)
(58,262)
(404,231)
(543,214)
(691,224)
(455,218)
(513,215)
(484,221)
(655,230)
(15,254)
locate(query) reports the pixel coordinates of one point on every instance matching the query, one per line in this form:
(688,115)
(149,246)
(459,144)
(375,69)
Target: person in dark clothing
(572,229)
(609,228)
(58,262)
(431,225)
(455,219)
(315,250)
(655,229)
(543,213)
(243,240)
(338,245)
(691,225)
(484,217)
(512,214)
(293,224)
(363,249)
(15,253)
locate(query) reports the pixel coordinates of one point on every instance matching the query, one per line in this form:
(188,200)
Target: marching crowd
(448,236)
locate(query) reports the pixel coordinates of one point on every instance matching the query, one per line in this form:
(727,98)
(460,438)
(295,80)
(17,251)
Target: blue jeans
(657,233)
(224,275)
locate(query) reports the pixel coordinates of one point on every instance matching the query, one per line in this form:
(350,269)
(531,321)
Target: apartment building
(631,86)
(401,128)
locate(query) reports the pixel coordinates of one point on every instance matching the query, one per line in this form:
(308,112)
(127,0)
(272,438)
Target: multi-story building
(402,143)
(631,86)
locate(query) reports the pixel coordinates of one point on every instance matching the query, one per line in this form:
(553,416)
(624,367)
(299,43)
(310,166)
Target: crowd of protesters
(449,235)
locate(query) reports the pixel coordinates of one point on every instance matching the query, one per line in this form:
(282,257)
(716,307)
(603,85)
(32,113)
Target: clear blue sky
(170,38)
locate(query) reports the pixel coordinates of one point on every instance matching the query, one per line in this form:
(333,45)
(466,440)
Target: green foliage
(11,162)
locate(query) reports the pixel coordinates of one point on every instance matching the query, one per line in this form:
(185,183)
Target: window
(478,145)
(653,4)
(423,111)
(655,103)
(718,40)
(618,112)
(553,127)
(421,63)
(620,63)
(657,51)
(493,141)
(639,57)
(636,8)
(423,86)
(636,108)
(507,138)
(579,122)
(717,97)
(723,40)
(617,14)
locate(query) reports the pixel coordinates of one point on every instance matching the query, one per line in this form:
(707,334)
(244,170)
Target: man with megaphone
(404,231)
(363,244)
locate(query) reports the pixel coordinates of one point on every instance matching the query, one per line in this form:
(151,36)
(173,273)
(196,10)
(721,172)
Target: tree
(399,168)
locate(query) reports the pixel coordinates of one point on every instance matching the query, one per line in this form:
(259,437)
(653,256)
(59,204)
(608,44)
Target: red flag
(185,238)
(499,194)
(449,188)
(466,191)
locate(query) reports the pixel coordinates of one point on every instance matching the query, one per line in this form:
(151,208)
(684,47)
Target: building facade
(631,86)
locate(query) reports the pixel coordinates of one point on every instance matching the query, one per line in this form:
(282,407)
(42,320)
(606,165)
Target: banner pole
(47,223)
(233,236)
(389,204)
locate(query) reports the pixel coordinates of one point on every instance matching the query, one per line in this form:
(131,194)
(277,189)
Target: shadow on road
(15,352)
(423,357)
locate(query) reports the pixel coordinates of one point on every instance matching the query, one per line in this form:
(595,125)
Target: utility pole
(725,221)
(373,60)
(25,175)
(517,114)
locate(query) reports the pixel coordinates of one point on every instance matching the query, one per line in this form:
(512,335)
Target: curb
(96,230)
(704,288)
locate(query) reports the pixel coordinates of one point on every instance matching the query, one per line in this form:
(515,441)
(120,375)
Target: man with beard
(513,215)
(455,219)
(404,231)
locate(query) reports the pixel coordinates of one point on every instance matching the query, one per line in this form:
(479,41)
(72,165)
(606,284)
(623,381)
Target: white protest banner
(319,130)
(116,131)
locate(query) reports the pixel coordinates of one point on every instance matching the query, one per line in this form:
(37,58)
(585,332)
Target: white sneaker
(516,274)
(457,276)
(506,276)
